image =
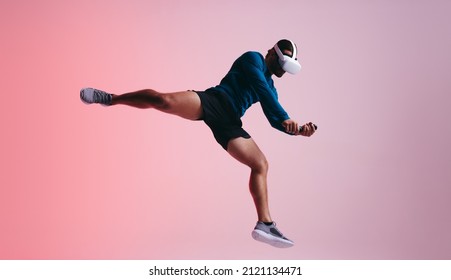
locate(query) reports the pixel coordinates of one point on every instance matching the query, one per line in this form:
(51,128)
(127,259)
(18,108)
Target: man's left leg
(247,152)
(185,104)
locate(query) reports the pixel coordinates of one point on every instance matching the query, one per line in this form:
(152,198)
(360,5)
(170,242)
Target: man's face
(272,61)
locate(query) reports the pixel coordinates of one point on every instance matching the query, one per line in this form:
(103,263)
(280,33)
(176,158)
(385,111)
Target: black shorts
(220,117)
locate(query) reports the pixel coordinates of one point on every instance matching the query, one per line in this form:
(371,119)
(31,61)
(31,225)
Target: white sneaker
(271,235)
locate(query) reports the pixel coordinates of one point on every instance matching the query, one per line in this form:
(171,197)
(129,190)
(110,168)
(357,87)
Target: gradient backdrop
(89,182)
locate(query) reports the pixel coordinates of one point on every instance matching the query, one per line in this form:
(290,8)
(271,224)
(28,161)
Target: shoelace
(101,97)
(277,230)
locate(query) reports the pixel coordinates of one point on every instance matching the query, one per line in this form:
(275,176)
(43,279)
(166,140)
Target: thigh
(185,104)
(247,152)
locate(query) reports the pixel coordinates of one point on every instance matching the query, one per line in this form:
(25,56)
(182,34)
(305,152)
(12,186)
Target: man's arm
(272,109)
(274,112)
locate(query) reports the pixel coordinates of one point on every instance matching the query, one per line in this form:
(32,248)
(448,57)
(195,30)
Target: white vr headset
(288,64)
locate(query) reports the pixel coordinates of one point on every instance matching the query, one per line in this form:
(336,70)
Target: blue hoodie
(249,81)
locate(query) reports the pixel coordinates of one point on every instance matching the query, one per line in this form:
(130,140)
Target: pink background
(88,182)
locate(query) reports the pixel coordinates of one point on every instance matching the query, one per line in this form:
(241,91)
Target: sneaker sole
(271,240)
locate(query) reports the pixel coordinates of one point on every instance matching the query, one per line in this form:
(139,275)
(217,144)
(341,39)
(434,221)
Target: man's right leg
(247,152)
(185,104)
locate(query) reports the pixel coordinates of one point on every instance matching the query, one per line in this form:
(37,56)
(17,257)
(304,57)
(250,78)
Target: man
(221,108)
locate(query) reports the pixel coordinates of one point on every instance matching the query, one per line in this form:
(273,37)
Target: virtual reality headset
(288,64)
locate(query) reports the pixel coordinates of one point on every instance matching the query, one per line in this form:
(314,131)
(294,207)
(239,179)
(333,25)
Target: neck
(268,65)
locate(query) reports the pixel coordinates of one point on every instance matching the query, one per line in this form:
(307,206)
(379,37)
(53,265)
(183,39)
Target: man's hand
(292,127)
(308,129)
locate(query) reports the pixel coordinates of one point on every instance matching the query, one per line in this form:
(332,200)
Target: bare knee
(165,103)
(159,100)
(260,165)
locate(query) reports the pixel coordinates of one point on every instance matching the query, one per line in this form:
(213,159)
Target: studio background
(89,182)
